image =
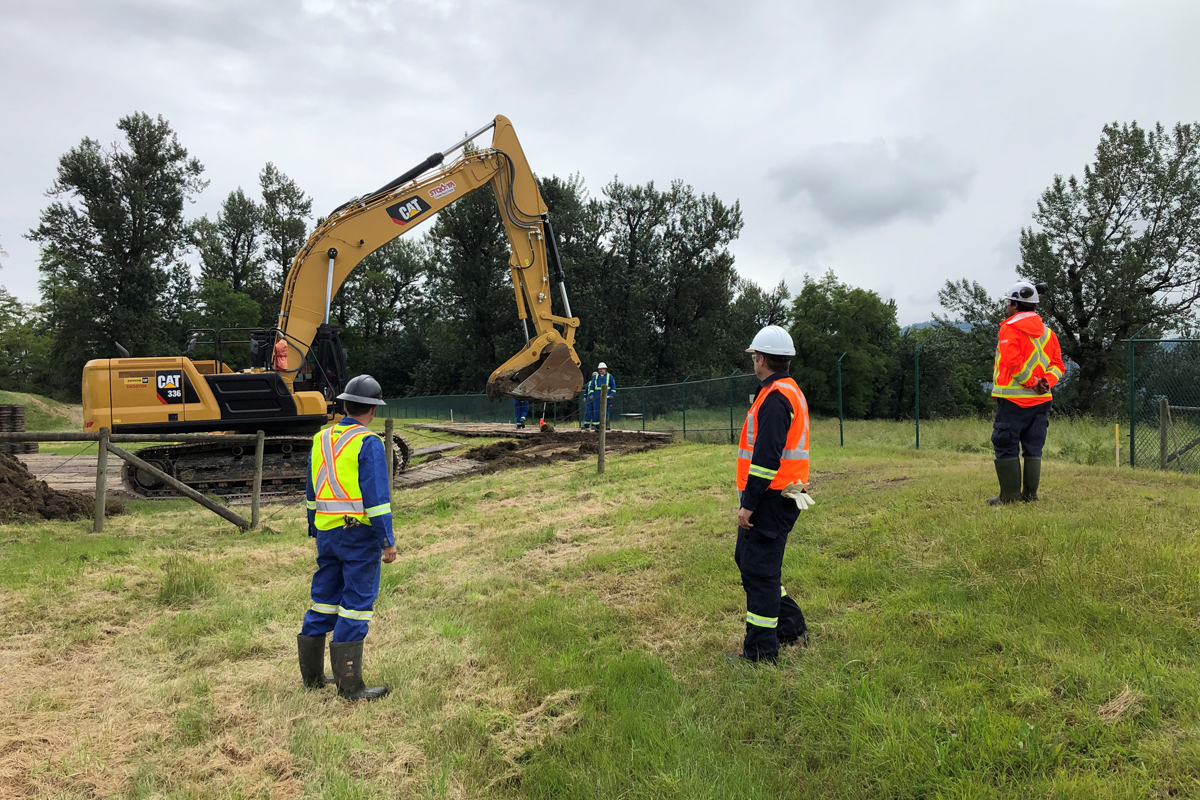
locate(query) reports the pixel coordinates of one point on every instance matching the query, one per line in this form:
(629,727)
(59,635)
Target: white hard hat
(1023,292)
(772,340)
(602,365)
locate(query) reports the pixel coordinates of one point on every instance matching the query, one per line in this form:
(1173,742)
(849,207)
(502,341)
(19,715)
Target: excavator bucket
(550,378)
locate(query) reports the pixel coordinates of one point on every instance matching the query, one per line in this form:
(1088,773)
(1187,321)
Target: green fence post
(917,395)
(1132,408)
(644,385)
(731,409)
(841,435)
(683,389)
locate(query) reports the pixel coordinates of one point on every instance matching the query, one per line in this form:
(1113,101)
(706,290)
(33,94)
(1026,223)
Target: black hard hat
(363,389)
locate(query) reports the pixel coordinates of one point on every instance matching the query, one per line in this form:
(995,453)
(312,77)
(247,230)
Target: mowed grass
(552,633)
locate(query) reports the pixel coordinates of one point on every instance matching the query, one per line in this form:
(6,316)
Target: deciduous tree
(109,243)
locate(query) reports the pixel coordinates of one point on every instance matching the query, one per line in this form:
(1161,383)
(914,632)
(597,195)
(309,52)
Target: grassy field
(549,633)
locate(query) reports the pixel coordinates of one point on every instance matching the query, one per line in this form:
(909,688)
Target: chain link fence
(696,411)
(1164,404)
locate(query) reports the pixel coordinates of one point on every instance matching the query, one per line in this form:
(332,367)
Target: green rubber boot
(1008,470)
(1033,476)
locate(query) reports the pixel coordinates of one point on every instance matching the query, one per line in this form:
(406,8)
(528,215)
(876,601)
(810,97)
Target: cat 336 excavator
(174,394)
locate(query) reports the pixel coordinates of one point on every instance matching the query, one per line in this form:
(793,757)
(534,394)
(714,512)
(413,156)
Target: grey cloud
(857,185)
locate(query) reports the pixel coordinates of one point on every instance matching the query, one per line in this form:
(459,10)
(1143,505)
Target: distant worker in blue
(606,389)
(520,412)
(590,415)
(350,515)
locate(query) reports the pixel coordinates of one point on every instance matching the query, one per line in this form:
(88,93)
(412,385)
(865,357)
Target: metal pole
(101,482)
(683,390)
(1132,403)
(603,429)
(332,253)
(731,439)
(644,385)
(917,396)
(841,435)
(1132,408)
(1163,415)
(256,491)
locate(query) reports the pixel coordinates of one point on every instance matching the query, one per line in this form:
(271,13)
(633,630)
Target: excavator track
(228,469)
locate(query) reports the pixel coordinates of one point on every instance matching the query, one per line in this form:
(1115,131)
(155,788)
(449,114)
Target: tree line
(649,272)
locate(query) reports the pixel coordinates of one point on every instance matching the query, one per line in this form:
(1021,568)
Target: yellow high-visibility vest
(334,465)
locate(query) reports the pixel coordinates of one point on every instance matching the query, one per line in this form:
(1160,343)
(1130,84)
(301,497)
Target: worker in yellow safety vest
(350,515)
(772,482)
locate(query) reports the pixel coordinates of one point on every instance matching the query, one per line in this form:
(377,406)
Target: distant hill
(916,326)
(44,414)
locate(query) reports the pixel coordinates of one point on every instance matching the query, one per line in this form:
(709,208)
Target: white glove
(796,492)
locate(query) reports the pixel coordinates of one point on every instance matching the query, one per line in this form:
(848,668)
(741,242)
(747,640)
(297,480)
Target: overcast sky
(899,144)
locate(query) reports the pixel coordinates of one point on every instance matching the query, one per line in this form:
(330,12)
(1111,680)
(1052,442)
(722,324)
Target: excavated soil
(24,497)
(546,448)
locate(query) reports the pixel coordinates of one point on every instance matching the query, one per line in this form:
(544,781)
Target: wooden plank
(65,436)
(436,448)
(76,473)
(440,470)
(510,431)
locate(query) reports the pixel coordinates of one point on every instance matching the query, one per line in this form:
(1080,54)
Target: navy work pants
(771,615)
(1018,429)
(345,585)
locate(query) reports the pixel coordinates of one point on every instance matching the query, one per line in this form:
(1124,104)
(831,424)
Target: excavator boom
(547,368)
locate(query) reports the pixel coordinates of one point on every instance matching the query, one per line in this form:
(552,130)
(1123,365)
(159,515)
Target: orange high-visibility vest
(334,465)
(1027,350)
(793,465)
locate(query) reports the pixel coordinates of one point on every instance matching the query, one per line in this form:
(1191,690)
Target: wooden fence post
(1164,414)
(256,492)
(101,483)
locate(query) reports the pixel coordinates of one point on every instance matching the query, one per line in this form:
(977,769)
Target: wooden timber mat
(537,449)
(530,431)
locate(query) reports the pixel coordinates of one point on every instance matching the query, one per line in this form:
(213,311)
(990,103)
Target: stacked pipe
(12,420)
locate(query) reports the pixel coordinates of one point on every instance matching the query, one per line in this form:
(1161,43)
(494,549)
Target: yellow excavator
(175,394)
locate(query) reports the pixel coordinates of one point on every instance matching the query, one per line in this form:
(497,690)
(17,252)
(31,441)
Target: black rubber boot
(1008,470)
(312,661)
(347,671)
(1033,476)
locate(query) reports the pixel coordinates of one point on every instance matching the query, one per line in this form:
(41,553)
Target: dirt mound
(548,447)
(22,496)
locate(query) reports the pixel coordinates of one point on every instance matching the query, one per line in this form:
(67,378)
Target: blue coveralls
(606,389)
(589,403)
(346,582)
(520,412)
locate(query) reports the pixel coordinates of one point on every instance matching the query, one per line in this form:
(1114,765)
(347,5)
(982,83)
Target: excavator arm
(547,368)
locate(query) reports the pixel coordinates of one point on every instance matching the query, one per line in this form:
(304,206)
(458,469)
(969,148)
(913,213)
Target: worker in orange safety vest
(772,479)
(1028,365)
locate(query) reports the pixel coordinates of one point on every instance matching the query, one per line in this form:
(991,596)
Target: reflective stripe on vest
(793,464)
(1037,358)
(335,477)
